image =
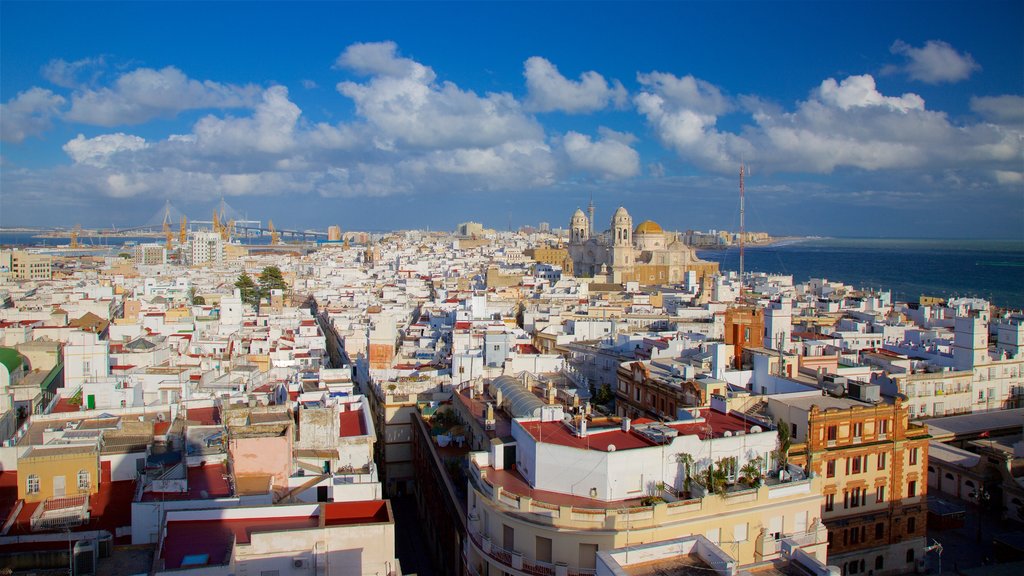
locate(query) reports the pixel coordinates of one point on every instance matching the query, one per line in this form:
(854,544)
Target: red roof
(370,511)
(719,423)
(215,537)
(352,424)
(204,482)
(206,416)
(558,433)
(64,405)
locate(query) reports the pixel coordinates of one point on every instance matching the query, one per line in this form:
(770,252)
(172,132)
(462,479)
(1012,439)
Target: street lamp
(979,496)
(937,548)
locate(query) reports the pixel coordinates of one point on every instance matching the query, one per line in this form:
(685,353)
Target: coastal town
(586,399)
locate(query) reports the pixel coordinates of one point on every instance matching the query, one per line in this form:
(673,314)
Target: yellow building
(24,265)
(57,472)
(646,254)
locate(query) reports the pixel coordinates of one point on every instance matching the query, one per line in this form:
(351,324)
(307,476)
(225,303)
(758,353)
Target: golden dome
(648,227)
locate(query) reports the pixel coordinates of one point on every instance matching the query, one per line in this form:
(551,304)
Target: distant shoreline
(781,240)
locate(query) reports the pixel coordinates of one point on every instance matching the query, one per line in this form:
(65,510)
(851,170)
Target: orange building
(873,462)
(744,327)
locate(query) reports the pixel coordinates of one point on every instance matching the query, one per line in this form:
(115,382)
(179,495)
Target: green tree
(785,442)
(271,279)
(248,288)
(752,471)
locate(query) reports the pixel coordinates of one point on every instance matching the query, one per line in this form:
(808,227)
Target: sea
(990,269)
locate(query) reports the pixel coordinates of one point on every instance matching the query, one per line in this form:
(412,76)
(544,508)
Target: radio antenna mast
(743,233)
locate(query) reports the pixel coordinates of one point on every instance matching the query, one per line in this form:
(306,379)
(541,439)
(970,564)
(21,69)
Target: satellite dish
(727,433)
(755,429)
(611,447)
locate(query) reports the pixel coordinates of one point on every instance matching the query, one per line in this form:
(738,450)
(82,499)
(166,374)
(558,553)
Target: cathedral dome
(648,227)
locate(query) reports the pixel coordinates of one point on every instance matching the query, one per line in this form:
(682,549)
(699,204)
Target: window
(879,531)
(543,549)
(913,456)
(881,460)
(912,488)
(32,485)
(739,532)
(793,434)
(857,429)
(831,434)
(910,555)
(883,429)
(911,524)
(830,468)
(830,502)
(879,562)
(83,480)
(880,494)
(857,460)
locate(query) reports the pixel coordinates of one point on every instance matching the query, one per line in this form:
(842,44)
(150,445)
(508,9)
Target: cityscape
(304,290)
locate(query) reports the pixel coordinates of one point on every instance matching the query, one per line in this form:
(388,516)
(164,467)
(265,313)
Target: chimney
(583,426)
(627,424)
(498,396)
(551,394)
(490,412)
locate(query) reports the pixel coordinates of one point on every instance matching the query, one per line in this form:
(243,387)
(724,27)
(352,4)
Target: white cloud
(99,150)
(609,157)
(860,92)
(406,107)
(844,123)
(380,59)
(683,113)
(271,128)
(686,92)
(28,114)
(69,74)
(1010,177)
(145,93)
(548,90)
(934,63)
(1004,109)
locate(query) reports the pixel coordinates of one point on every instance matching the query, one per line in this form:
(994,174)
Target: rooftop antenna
(742,228)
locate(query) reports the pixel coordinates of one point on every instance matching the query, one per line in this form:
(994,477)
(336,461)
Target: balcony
(516,563)
(60,513)
(511,492)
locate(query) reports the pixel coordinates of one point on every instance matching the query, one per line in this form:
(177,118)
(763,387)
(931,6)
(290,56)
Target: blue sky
(856,119)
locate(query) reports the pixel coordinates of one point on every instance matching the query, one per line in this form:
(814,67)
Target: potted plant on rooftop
(751,472)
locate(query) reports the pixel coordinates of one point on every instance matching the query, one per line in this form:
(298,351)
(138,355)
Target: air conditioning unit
(299,563)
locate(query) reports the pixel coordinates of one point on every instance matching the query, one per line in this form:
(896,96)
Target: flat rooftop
(950,427)
(710,424)
(209,542)
(822,401)
(351,424)
(204,483)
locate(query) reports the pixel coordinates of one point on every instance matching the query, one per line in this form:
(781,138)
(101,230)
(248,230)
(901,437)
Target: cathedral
(647,254)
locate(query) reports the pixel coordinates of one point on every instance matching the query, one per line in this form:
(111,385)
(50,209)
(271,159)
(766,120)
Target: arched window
(949,476)
(32,484)
(83,480)
(969,483)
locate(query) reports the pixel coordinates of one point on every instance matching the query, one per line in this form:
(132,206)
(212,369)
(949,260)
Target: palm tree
(717,478)
(785,441)
(752,471)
